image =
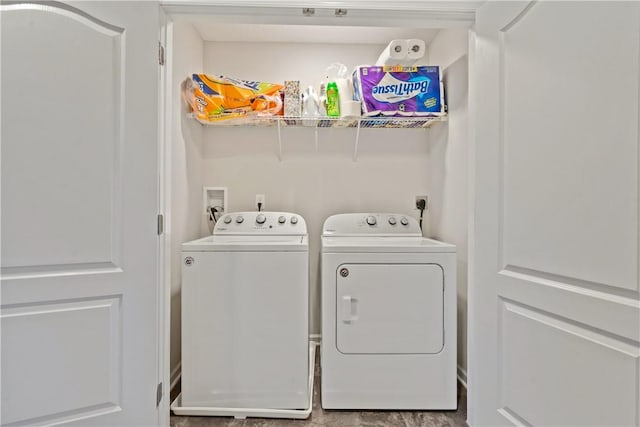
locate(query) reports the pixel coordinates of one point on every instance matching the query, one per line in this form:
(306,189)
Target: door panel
(85,335)
(389,308)
(539,348)
(554,314)
(566,212)
(67,120)
(79,203)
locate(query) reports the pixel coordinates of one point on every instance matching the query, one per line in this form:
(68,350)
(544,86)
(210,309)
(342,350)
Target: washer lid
(247,243)
(261,224)
(382,244)
(371,224)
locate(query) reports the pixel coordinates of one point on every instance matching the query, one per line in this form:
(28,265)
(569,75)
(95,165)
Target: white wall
(390,170)
(448,148)
(276,62)
(186,170)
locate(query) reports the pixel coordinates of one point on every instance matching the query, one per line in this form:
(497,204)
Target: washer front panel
(392,381)
(389,308)
(245,330)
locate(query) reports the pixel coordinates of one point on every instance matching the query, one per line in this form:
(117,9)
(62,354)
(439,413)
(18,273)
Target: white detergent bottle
(322,100)
(310,103)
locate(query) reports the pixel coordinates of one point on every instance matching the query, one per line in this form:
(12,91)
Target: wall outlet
(420,199)
(260,199)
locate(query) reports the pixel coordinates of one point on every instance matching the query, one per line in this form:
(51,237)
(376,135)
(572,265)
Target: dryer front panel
(389,308)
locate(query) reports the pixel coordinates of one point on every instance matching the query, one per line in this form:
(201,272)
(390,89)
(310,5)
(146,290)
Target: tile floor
(340,418)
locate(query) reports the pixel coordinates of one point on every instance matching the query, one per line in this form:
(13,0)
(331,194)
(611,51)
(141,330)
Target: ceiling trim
(461,6)
(258,33)
(418,14)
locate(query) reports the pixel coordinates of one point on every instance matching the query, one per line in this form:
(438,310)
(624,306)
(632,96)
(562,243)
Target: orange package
(216,97)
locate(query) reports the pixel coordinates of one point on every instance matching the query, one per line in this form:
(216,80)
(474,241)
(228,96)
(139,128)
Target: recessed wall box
(214,197)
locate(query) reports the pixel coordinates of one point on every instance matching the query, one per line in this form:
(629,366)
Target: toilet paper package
(399,91)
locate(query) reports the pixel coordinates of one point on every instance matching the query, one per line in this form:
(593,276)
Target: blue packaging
(400,91)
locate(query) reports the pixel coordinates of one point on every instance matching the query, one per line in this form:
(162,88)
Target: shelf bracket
(355,146)
(279,142)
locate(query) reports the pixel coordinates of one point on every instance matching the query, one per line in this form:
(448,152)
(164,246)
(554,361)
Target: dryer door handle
(349,309)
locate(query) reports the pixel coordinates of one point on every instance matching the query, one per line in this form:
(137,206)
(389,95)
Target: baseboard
(462,376)
(176,373)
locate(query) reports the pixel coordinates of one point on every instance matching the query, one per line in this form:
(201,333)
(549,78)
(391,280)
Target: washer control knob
(294,220)
(260,219)
(282,219)
(404,221)
(392,220)
(371,220)
(239,219)
(227,219)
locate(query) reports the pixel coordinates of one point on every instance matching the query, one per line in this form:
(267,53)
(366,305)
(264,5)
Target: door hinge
(160,224)
(158,394)
(160,54)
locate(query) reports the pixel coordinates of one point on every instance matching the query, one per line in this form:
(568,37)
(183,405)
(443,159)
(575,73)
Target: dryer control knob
(294,220)
(227,219)
(260,219)
(404,221)
(239,219)
(371,220)
(392,220)
(282,219)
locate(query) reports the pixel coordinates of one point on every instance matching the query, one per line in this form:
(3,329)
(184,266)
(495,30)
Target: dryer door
(389,308)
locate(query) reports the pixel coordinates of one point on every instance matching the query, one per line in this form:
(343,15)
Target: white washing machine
(388,315)
(245,315)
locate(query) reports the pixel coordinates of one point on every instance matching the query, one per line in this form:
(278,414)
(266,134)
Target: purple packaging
(399,91)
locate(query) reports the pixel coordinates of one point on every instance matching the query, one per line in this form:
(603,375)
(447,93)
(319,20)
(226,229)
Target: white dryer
(388,315)
(245,315)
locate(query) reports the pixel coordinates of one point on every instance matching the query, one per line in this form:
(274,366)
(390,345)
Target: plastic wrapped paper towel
(402,52)
(415,50)
(345,93)
(395,53)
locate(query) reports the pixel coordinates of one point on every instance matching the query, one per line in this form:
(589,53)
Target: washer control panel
(371,224)
(274,223)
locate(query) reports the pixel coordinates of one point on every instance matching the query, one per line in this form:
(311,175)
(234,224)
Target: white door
(79,205)
(554,314)
(389,308)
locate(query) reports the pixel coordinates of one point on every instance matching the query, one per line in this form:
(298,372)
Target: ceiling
(267,33)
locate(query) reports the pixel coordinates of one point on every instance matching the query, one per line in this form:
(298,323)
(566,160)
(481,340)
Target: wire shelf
(421,122)
(280,122)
